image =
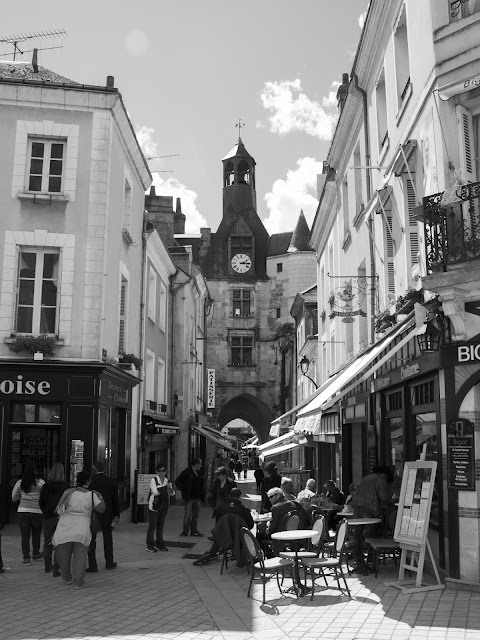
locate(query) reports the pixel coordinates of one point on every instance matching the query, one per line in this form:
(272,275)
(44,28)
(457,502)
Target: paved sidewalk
(163,596)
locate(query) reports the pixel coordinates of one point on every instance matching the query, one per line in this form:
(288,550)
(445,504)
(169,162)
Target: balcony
(155,407)
(452,232)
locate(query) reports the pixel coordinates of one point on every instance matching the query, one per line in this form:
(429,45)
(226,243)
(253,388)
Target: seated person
(306,495)
(280,508)
(336,497)
(287,488)
(222,534)
(221,490)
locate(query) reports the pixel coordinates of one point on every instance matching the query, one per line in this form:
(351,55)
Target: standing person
(106,521)
(259,475)
(29,515)
(50,495)
(245,469)
(192,485)
(231,466)
(238,469)
(221,489)
(72,536)
(272,479)
(336,497)
(160,488)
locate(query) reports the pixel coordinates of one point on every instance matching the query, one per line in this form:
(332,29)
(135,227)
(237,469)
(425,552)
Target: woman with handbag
(158,501)
(50,496)
(73,535)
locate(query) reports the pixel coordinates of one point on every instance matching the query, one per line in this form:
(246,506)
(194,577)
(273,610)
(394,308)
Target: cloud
(171,186)
(291,110)
(289,196)
(136,42)
(361,19)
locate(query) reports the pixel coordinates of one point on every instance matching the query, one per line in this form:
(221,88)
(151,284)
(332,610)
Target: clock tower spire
(239,177)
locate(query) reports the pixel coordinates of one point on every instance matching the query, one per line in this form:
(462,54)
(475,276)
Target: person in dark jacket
(108,489)
(221,489)
(271,479)
(192,485)
(160,490)
(259,476)
(238,469)
(50,495)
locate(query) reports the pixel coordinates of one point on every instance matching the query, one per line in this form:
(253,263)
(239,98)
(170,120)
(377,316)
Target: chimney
(110,82)
(179,218)
(35,60)
(342,92)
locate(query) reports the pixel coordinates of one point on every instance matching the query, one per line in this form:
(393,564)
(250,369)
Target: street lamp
(429,341)
(304,365)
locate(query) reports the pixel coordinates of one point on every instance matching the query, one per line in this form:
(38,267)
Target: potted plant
(131,359)
(384,321)
(43,344)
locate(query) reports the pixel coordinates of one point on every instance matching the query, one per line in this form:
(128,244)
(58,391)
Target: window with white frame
(37,290)
(152,293)
(381,110)
(127,206)
(122,332)
(161,381)
(346,220)
(402,62)
(162,305)
(149,376)
(45,166)
(241,302)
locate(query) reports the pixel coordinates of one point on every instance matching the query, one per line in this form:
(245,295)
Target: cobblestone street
(163,596)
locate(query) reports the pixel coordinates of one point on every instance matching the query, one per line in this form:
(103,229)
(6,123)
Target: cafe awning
(214,438)
(281,449)
(276,441)
(160,425)
(361,366)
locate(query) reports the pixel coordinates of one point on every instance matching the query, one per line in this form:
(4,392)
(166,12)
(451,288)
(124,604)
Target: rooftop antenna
(173,155)
(24,37)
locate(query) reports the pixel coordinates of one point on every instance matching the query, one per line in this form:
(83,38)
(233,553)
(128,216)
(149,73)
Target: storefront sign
(211,389)
(409,370)
(381,383)
(24,387)
(117,392)
(468,353)
(461,455)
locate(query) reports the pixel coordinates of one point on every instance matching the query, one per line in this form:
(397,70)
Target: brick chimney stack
(342,92)
(179,218)
(161,215)
(110,82)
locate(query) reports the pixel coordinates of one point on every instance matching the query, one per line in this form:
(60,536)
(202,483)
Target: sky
(188,70)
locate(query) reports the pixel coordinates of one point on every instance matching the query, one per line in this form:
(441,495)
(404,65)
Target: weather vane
(239,124)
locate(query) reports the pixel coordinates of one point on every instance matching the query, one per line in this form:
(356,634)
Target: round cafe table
(362,522)
(295,537)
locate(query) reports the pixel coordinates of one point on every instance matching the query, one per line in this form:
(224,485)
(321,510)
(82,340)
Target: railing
(452,232)
(155,407)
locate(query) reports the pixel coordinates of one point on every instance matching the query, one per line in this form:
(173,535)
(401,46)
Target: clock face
(241,263)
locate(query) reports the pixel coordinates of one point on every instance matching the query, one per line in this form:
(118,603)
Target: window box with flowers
(43,344)
(404,304)
(384,321)
(129,360)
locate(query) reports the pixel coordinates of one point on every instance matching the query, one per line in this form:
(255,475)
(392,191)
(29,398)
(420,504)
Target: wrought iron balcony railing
(452,232)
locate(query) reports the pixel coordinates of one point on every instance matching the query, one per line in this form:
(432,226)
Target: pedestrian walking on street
(259,475)
(192,485)
(107,520)
(245,469)
(238,469)
(73,535)
(29,515)
(158,502)
(50,495)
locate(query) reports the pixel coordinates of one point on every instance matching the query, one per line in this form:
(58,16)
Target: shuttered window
(410,203)
(123,315)
(390,253)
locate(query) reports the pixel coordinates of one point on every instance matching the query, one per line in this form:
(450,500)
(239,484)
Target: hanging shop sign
(210,388)
(409,370)
(461,455)
(350,298)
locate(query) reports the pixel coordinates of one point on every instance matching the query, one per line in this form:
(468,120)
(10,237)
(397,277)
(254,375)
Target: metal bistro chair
(264,567)
(315,544)
(330,566)
(385,546)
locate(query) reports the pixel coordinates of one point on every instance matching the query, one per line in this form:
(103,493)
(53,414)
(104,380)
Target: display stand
(411,527)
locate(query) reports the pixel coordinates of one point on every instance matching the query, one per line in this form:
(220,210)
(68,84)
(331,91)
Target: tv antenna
(25,37)
(173,155)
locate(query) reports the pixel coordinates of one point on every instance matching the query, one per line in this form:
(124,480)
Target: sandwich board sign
(411,527)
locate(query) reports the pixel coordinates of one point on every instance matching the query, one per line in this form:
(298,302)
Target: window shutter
(123,307)
(390,254)
(466,144)
(15,291)
(412,223)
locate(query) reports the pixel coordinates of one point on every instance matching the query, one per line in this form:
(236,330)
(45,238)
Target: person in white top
(29,515)
(159,499)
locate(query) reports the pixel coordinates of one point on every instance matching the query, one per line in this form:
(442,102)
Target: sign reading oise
(24,387)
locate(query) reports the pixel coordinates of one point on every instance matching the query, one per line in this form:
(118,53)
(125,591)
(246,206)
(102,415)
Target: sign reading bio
(211,389)
(19,386)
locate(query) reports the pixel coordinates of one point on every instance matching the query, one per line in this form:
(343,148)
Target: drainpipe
(373,298)
(145,236)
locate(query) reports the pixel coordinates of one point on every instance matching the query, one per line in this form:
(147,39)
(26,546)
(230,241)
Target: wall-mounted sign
(381,383)
(210,388)
(22,387)
(468,353)
(409,370)
(461,455)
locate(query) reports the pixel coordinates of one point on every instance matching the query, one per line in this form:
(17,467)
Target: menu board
(415,502)
(461,455)
(143,487)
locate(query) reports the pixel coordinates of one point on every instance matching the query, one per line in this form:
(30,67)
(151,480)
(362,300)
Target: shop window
(44,413)
(426,437)
(241,302)
(37,291)
(393,401)
(45,165)
(241,351)
(422,393)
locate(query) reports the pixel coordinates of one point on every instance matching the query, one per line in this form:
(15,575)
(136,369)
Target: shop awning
(161,425)
(250,445)
(277,441)
(361,365)
(458,86)
(217,439)
(281,449)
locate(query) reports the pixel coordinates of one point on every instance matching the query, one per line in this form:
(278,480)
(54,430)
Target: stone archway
(248,408)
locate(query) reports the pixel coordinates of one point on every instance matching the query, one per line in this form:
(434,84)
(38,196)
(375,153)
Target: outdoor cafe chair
(330,566)
(264,567)
(315,544)
(386,546)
